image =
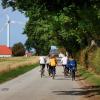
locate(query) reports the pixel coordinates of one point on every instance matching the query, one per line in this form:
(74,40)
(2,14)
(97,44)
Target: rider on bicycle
(42,62)
(72,64)
(52,64)
(64,63)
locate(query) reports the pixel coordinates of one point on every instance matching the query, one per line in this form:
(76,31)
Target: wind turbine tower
(8,31)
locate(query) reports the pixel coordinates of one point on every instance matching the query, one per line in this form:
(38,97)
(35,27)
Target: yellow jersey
(53,62)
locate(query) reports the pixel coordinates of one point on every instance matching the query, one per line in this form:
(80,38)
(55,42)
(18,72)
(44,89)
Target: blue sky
(15,29)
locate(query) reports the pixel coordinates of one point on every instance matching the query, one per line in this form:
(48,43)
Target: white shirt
(64,60)
(42,60)
(61,55)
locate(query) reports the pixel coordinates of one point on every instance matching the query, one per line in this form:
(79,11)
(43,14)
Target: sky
(15,28)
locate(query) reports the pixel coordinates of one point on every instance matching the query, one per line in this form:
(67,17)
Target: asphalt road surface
(30,86)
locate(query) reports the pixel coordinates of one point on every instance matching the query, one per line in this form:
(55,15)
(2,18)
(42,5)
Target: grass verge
(96,60)
(5,76)
(90,83)
(91,77)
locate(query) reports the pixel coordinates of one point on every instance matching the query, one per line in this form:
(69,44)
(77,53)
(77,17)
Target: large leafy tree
(70,23)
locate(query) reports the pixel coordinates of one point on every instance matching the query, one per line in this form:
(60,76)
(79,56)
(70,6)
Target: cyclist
(64,64)
(72,64)
(53,63)
(42,64)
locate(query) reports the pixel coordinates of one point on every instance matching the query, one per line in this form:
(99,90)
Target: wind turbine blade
(7,17)
(13,22)
(16,22)
(5,13)
(3,27)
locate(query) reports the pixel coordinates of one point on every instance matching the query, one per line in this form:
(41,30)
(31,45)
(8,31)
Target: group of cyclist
(50,62)
(68,62)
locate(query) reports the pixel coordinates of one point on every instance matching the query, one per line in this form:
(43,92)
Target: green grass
(89,76)
(96,61)
(5,76)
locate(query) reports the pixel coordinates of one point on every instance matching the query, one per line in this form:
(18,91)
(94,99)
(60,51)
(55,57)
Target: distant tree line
(18,49)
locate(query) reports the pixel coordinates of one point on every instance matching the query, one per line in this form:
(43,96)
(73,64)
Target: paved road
(30,86)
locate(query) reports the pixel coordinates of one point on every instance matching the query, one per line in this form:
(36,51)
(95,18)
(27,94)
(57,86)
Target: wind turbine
(7,24)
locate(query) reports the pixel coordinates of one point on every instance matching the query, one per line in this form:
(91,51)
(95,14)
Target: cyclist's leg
(53,72)
(70,72)
(47,66)
(42,70)
(73,74)
(49,70)
(63,68)
(65,72)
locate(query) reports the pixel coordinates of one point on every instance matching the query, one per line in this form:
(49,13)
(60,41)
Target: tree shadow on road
(88,92)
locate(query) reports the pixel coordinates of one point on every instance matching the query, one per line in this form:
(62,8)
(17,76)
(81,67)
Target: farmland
(14,62)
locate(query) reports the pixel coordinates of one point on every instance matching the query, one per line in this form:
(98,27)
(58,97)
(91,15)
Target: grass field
(15,66)
(15,72)
(14,62)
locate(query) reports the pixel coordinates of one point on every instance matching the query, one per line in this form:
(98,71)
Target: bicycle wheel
(53,75)
(73,75)
(65,72)
(42,73)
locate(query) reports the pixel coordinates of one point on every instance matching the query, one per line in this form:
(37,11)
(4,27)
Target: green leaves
(69,23)
(18,49)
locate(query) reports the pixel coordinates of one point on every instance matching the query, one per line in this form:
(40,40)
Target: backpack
(72,64)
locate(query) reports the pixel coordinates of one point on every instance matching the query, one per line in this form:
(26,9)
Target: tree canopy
(18,49)
(71,24)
